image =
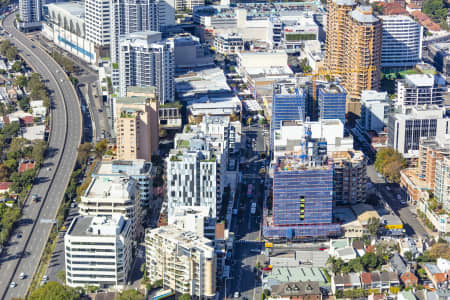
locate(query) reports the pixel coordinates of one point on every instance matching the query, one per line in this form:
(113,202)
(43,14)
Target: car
(12,284)
(19,235)
(35,197)
(45,278)
(322,248)
(62,80)
(22,275)
(236,294)
(100,110)
(49,169)
(33,46)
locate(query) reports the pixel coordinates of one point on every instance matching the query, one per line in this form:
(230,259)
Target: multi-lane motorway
(23,254)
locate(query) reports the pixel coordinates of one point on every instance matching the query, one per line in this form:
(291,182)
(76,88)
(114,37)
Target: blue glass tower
(331,100)
(288,104)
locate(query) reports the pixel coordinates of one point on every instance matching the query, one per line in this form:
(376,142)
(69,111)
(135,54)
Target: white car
(12,284)
(45,278)
(236,294)
(22,275)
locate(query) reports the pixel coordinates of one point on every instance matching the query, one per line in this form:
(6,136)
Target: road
(23,255)
(412,225)
(247,226)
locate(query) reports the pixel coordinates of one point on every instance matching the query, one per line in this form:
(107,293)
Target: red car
(322,249)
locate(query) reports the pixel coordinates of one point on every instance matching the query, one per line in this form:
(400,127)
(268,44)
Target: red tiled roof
(25,166)
(27,120)
(5,185)
(425,21)
(366,278)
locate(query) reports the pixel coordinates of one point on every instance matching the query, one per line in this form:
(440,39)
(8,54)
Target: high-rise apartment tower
(353,53)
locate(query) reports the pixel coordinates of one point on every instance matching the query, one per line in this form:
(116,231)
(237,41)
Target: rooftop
(132,100)
(186,238)
(110,187)
(294,274)
(96,226)
(371,95)
(129,167)
(364,14)
(74,8)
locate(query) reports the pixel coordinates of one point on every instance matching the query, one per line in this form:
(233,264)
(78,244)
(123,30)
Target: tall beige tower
(137,134)
(353,49)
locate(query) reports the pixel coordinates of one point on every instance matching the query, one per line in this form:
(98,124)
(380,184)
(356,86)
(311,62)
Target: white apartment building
(407,128)
(420,89)
(184,261)
(98,251)
(192,176)
(401,41)
(228,43)
(145,60)
(131,16)
(375,108)
(200,166)
(297,30)
(30,14)
(113,195)
(140,170)
(194,219)
(183,5)
(98,21)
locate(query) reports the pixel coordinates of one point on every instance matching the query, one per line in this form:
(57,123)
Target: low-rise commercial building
(227,44)
(98,251)
(184,261)
(375,108)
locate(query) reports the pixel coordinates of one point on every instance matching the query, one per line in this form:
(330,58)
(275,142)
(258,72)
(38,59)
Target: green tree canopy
(185,297)
(130,295)
(389,162)
(17,66)
(54,291)
(21,81)
(436,10)
(11,53)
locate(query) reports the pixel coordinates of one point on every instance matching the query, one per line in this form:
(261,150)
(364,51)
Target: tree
(369,261)
(130,295)
(439,250)
(100,147)
(11,130)
(355,265)
(17,66)
(185,297)
(372,226)
(62,276)
(54,291)
(11,53)
(38,152)
(83,153)
(24,103)
(390,162)
(4,47)
(436,10)
(4,173)
(408,255)
(21,81)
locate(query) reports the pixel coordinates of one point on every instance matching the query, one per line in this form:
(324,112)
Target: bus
(250,191)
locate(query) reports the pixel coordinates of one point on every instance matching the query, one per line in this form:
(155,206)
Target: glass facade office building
(288,104)
(331,101)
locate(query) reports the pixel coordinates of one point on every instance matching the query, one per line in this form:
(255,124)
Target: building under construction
(353,51)
(302,195)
